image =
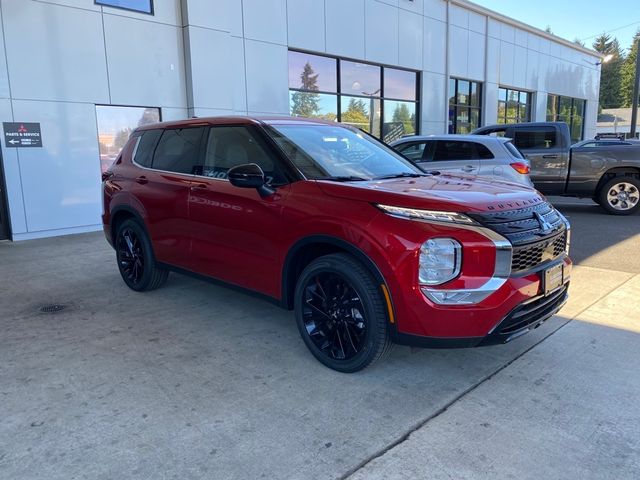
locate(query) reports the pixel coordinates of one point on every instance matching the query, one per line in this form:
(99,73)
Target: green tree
(402,115)
(307,103)
(357,114)
(578,42)
(628,72)
(610,76)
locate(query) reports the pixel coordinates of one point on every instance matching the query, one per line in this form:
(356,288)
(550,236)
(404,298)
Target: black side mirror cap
(249,175)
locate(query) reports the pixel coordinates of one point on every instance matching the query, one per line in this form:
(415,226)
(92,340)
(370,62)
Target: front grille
(526,257)
(532,243)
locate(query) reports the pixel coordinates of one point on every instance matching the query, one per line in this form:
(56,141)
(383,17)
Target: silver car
(494,157)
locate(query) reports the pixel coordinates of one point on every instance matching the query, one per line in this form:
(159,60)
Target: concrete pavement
(199,381)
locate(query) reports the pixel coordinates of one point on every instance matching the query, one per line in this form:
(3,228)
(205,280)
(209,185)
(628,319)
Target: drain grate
(53,308)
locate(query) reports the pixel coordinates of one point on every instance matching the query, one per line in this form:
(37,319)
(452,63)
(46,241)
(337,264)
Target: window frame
(553,112)
(518,118)
(380,97)
(103,3)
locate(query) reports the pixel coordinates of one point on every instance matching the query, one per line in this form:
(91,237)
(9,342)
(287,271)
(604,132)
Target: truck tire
(341,314)
(620,195)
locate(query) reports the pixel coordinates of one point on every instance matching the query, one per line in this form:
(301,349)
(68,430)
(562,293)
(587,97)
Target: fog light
(440,260)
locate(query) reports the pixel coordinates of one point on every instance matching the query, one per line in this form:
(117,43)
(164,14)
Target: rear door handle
(199,186)
(553,157)
(468,168)
(142,180)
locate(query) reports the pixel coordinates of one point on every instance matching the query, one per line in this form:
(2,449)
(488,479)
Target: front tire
(620,195)
(135,258)
(340,313)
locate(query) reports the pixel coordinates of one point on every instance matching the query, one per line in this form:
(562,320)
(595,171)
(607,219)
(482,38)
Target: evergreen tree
(610,79)
(402,115)
(628,72)
(306,104)
(357,114)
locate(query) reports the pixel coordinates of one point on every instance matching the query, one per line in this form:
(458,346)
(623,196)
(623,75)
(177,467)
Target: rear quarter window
(513,150)
(535,139)
(147,142)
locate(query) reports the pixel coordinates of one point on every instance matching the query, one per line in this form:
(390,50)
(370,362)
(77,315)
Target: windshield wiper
(343,178)
(402,175)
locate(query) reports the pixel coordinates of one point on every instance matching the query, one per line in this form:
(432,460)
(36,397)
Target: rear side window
(413,151)
(146,145)
(513,150)
(178,150)
(457,150)
(540,138)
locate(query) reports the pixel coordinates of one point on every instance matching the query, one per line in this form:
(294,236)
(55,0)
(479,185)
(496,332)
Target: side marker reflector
(387,299)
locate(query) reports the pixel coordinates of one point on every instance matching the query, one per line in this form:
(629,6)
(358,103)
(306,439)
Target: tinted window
(228,147)
(413,151)
(543,137)
(457,150)
(146,145)
(513,150)
(178,150)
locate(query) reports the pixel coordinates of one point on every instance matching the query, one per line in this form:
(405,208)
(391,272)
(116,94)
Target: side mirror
(249,175)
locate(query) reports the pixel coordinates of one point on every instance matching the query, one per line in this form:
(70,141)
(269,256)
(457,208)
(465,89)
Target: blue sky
(572,19)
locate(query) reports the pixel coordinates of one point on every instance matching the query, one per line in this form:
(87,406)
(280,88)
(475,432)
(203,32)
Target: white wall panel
(490,102)
(476,58)
(520,67)
(61,181)
(211,85)
(458,51)
(170,114)
(411,42)
(540,109)
(459,16)
(225,15)
(495,28)
(85,4)
(239,76)
(146,63)
(305,20)
(477,23)
(507,57)
(533,41)
(265,20)
(436,9)
(415,6)
(507,33)
(533,70)
(433,128)
(493,60)
(345,27)
(267,77)
(434,97)
(435,48)
(521,38)
(12,176)
(54,52)
(381,33)
(4,73)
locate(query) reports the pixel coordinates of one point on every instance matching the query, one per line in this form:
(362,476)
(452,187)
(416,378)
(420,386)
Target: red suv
(326,220)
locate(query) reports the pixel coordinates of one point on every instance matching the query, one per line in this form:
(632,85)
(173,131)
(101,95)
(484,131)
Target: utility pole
(634,99)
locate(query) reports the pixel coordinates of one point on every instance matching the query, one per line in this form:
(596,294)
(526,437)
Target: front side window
(178,150)
(514,106)
(338,153)
(413,151)
(465,100)
(115,125)
(379,100)
(142,6)
(228,147)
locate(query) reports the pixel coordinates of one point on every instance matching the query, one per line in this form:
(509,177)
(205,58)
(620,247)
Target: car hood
(451,193)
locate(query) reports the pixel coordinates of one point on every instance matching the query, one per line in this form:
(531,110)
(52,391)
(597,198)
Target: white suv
(494,157)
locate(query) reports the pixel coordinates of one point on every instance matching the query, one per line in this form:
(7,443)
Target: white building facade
(89,71)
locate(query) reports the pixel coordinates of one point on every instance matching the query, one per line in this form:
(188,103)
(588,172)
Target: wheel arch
(306,250)
(121,213)
(616,172)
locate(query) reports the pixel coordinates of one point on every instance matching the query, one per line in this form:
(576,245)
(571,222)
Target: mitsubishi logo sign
(22,134)
(545,226)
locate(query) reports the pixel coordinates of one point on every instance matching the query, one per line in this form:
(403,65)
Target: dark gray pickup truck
(606,170)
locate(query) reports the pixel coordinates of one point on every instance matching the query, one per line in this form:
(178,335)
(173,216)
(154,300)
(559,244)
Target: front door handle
(142,180)
(552,157)
(199,186)
(468,168)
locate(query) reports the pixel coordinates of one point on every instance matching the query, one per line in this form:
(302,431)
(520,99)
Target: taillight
(520,167)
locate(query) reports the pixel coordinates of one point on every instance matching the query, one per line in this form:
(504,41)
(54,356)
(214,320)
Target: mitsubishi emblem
(544,225)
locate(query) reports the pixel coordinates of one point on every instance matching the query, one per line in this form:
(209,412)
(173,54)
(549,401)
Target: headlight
(433,215)
(440,260)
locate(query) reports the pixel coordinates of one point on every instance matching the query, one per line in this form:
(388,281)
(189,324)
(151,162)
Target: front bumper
(525,317)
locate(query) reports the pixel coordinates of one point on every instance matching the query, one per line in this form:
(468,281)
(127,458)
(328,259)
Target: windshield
(339,153)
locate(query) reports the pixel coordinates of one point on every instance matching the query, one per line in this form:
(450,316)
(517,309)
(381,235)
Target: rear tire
(135,258)
(341,314)
(620,195)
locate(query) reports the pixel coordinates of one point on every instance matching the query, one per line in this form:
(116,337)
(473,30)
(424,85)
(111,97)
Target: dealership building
(76,76)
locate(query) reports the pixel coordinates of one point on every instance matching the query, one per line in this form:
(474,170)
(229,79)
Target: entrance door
(4,217)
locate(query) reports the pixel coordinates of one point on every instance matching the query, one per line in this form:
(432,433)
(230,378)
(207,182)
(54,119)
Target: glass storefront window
(514,106)
(355,93)
(143,6)
(568,110)
(115,124)
(465,100)
(399,120)
(312,72)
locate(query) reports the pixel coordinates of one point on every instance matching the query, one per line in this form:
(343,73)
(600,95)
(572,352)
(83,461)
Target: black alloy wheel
(135,258)
(341,313)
